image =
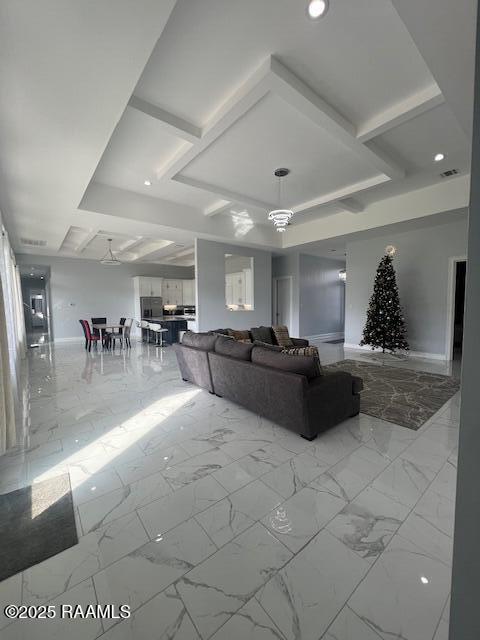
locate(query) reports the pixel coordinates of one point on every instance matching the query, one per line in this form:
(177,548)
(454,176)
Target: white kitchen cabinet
(144,287)
(188,292)
(148,287)
(248,280)
(235,288)
(172,292)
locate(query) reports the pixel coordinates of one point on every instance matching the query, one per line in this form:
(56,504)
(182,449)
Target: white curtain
(12,341)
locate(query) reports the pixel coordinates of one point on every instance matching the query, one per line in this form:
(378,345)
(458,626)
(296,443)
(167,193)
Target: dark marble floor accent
(37,522)
(403,396)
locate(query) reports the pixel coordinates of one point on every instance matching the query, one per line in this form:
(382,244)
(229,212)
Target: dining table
(104,327)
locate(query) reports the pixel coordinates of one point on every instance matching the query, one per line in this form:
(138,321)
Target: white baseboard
(65,340)
(414,354)
(324,337)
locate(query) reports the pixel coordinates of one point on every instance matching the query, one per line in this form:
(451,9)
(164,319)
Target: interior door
(283,301)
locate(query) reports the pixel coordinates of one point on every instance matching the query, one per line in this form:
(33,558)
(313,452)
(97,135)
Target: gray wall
(318,294)
(421,263)
(465,612)
(210,268)
(289,265)
(322,296)
(86,288)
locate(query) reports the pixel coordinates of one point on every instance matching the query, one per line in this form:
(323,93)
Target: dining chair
(89,336)
(96,332)
(126,331)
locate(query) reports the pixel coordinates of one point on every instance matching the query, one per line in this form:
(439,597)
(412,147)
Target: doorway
(457,277)
(282,301)
(459,307)
(35,290)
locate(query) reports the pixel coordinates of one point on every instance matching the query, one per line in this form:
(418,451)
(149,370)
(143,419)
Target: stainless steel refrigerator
(151,307)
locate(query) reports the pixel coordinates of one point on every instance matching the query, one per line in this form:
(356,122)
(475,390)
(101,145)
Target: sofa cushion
(233,349)
(263,334)
(303,365)
(265,345)
(203,341)
(241,336)
(282,336)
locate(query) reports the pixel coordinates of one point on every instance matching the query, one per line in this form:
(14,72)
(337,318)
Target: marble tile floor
(211,522)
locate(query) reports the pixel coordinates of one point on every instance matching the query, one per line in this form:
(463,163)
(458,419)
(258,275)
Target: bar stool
(143,325)
(158,330)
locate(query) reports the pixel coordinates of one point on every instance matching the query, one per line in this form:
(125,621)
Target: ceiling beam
(273,76)
(251,92)
(131,244)
(152,248)
(340,194)
(180,254)
(351,204)
(226,193)
(217,207)
(170,122)
(91,235)
(413,106)
(299,95)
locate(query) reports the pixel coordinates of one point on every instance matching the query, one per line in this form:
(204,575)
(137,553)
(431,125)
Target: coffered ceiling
(203,100)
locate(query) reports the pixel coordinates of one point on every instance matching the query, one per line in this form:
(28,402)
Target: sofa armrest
(300,342)
(330,399)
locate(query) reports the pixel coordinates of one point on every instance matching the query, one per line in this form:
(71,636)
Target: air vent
(449,173)
(33,243)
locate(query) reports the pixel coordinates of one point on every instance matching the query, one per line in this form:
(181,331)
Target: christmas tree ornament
(385,326)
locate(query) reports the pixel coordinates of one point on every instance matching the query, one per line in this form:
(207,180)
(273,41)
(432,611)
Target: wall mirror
(238,282)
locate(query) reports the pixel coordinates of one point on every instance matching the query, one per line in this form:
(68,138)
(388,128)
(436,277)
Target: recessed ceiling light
(147,183)
(439,157)
(317,9)
(424,580)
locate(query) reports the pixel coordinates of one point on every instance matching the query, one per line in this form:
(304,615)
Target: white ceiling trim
(351,205)
(294,91)
(340,194)
(226,193)
(273,77)
(150,252)
(80,248)
(253,90)
(217,207)
(447,195)
(170,122)
(131,244)
(411,107)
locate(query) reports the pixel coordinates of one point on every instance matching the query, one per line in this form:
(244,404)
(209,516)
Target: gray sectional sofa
(292,391)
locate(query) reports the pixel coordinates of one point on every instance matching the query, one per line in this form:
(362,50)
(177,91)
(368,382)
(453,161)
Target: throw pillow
(240,336)
(302,365)
(306,351)
(282,336)
(263,334)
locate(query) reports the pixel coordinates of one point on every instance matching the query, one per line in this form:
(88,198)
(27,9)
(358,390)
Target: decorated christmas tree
(385,326)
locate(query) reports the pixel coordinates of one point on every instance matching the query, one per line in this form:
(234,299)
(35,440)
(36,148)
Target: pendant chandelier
(280,217)
(109,259)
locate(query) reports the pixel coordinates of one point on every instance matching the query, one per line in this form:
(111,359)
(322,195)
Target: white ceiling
(205,99)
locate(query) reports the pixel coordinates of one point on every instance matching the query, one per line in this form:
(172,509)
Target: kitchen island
(173,324)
